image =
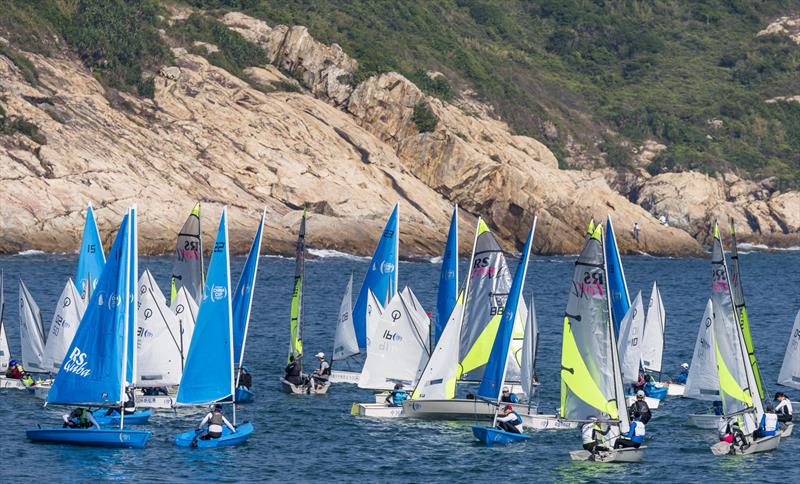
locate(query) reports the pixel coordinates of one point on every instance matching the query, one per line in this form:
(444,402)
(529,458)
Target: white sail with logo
(374,311)
(157,338)
(418,314)
(703,380)
(653,340)
(66,319)
(631,329)
(185,310)
(790,369)
(397,351)
(31,332)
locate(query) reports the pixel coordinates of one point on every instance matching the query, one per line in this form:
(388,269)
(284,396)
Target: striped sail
(187,270)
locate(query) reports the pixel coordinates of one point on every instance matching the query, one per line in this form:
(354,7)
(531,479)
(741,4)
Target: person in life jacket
(128,403)
(768,425)
(640,410)
(397,396)
(292,371)
(509,420)
(323,373)
(215,421)
(724,430)
(508,397)
(716,408)
(245,378)
(640,383)
(80,418)
(784,408)
(634,438)
(683,375)
(592,435)
(15,370)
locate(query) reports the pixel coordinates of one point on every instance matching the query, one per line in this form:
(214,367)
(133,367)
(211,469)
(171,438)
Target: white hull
(675,389)
(455,409)
(11,383)
(308,389)
(155,401)
(704,420)
(381,397)
(786,430)
(629,455)
(765,444)
(545,422)
(651,402)
(376,410)
(338,376)
(41,391)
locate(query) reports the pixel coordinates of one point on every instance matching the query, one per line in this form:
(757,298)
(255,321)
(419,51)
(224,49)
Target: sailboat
(31,332)
(494,375)
(187,271)
(297,321)
(737,382)
(91,259)
(591,378)
(158,338)
(67,317)
(381,281)
(790,368)
(209,374)
(101,360)
(448,279)
(703,380)
(464,347)
(653,341)
(5,352)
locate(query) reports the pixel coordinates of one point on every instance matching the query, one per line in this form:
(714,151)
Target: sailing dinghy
(5,352)
(703,380)
(494,375)
(209,376)
(101,360)
(591,380)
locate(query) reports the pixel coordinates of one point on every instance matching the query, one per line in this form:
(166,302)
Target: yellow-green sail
(296,325)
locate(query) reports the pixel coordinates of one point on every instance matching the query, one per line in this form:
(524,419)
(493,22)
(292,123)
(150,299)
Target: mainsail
(528,378)
(296,324)
(91,259)
(617,285)
(158,338)
(381,276)
(741,311)
(187,271)
(448,278)
(438,379)
(345,343)
(631,330)
(703,380)
(94,370)
(67,318)
(790,369)
(242,301)
(653,340)
(208,373)
(185,310)
(5,353)
(31,332)
(591,383)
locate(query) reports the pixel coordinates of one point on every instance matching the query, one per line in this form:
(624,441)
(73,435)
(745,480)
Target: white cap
(320,355)
(640,393)
(505,389)
(684,365)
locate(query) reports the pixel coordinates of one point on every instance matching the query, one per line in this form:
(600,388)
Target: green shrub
(424,118)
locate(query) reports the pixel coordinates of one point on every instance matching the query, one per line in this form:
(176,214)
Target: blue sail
(448,279)
(91,259)
(381,277)
(208,373)
(617,287)
(92,370)
(495,372)
(243,297)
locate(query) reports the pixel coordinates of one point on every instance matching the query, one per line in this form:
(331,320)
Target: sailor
(640,410)
(508,397)
(397,396)
(15,370)
(323,373)
(724,430)
(129,403)
(784,408)
(640,383)
(509,420)
(683,375)
(592,435)
(245,378)
(768,425)
(634,438)
(215,420)
(80,418)
(153,391)
(292,371)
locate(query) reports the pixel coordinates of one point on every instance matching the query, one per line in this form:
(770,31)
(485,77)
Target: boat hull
(675,389)
(786,430)
(703,420)
(12,383)
(338,376)
(155,401)
(376,410)
(764,444)
(455,409)
(545,422)
(228,438)
(244,395)
(628,455)
(653,403)
(118,438)
(136,418)
(491,436)
(41,391)
(293,389)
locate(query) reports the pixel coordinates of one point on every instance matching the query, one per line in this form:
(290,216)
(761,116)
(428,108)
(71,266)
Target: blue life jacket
(519,419)
(511,398)
(398,397)
(762,430)
(682,377)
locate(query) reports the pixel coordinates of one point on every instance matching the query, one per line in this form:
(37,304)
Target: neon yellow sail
(296,325)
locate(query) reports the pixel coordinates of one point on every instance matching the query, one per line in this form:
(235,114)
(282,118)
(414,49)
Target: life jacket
(769,424)
(637,432)
(215,422)
(327,368)
(398,397)
(81,419)
(292,369)
(27,380)
(518,421)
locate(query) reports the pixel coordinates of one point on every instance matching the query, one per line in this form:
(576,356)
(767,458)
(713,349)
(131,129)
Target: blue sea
(314,438)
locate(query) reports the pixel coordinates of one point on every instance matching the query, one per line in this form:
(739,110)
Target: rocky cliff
(347,152)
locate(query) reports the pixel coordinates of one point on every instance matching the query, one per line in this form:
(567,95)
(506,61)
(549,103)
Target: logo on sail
(218,292)
(77,363)
(386,267)
(113,301)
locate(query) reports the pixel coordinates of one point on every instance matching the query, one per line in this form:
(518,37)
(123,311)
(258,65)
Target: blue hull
(243,395)
(656,392)
(228,438)
(91,437)
(490,436)
(136,418)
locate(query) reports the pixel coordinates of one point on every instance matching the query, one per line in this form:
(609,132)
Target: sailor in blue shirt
(397,396)
(683,375)
(768,425)
(634,438)
(508,397)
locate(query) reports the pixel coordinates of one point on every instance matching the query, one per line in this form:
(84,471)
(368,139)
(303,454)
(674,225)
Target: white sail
(66,319)
(514,361)
(158,339)
(703,380)
(528,378)
(631,329)
(31,332)
(185,310)
(653,341)
(397,350)
(5,352)
(148,283)
(790,369)
(418,315)
(374,311)
(345,342)
(438,379)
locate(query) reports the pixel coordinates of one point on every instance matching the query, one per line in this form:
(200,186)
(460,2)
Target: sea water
(314,438)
